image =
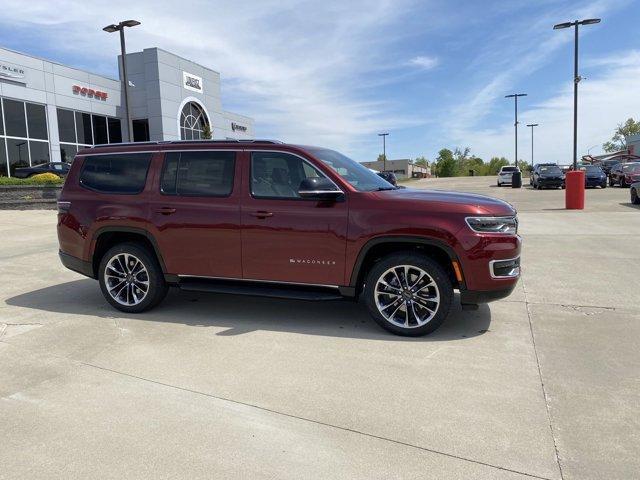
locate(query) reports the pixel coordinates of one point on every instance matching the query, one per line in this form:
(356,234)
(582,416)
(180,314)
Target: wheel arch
(106,237)
(379,247)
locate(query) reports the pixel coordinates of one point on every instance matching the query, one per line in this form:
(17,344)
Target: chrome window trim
(498,277)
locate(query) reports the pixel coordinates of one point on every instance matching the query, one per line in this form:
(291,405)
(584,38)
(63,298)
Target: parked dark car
(270,219)
(606,165)
(389,177)
(594,176)
(59,168)
(624,174)
(545,175)
(635,193)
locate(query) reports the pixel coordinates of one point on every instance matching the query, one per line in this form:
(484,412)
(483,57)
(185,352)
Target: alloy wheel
(407,296)
(126,279)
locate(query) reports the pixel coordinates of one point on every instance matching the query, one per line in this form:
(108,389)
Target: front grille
(505,268)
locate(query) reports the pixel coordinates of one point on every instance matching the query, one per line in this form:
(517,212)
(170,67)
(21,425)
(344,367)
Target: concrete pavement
(543,384)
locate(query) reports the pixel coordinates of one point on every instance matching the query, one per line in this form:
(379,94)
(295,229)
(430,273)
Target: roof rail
(185,142)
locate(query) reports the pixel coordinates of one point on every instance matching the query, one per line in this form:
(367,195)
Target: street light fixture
(532,125)
(384,150)
(515,124)
(574,180)
(120,28)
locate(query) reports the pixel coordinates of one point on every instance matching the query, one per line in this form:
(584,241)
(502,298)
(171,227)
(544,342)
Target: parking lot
(543,384)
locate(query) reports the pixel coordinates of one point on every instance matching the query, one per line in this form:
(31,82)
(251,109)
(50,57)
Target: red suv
(270,219)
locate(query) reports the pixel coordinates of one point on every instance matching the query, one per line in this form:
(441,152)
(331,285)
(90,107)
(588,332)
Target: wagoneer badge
(312,261)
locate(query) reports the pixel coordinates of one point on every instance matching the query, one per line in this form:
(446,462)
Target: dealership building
(403,168)
(49,111)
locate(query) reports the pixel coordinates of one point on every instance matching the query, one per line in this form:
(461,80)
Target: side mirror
(316,188)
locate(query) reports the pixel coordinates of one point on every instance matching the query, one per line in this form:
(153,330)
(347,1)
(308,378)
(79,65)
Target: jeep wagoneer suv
(266,218)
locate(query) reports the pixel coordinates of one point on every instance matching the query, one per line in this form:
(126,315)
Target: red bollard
(574,190)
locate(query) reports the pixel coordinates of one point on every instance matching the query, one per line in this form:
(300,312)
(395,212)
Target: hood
(446,201)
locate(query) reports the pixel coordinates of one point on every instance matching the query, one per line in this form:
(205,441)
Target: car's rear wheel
(623,182)
(131,279)
(408,294)
(611,182)
(635,199)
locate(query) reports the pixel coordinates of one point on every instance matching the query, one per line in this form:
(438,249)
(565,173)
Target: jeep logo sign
(192,82)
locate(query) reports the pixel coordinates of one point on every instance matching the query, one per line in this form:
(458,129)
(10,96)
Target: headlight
(508,225)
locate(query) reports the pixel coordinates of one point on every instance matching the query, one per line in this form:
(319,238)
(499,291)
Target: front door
(196,213)
(284,237)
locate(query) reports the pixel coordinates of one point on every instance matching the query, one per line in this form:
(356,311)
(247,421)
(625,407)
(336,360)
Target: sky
(431,73)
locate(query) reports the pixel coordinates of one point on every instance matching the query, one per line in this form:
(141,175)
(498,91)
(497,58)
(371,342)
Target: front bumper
(550,182)
(474,297)
(594,182)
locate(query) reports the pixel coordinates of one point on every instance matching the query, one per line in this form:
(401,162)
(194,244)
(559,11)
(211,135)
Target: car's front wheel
(408,294)
(131,279)
(635,199)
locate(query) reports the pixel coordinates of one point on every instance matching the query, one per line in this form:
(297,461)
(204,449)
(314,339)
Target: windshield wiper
(381,189)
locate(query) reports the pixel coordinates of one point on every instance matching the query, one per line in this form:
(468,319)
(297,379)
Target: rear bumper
(76,264)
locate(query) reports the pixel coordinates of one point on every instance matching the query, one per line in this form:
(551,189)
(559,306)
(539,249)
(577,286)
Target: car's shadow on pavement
(237,314)
(630,205)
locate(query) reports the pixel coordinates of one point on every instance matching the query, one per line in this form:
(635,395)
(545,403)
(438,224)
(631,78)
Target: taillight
(63,207)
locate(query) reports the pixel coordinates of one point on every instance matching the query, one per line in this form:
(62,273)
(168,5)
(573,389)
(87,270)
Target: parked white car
(505,175)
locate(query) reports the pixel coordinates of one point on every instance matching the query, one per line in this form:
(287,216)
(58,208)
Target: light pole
(384,150)
(532,125)
(576,79)
(515,124)
(120,28)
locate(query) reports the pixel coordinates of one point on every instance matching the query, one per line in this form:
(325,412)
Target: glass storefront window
(37,121)
(66,126)
(18,153)
(3,159)
(115,130)
(83,128)
(16,125)
(39,152)
(68,152)
(1,122)
(100,129)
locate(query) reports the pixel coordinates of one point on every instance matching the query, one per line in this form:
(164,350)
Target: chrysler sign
(11,72)
(192,82)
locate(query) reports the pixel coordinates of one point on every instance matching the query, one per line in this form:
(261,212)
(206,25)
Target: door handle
(261,214)
(166,210)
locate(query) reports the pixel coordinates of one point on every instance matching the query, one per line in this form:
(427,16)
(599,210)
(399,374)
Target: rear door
(284,237)
(196,213)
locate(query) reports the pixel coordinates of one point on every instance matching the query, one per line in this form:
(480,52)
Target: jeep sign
(192,82)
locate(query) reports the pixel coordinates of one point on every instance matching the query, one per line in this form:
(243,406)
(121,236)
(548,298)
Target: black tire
(635,199)
(433,269)
(604,184)
(611,183)
(157,288)
(623,183)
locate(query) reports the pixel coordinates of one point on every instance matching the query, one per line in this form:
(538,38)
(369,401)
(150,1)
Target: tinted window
(68,152)
(83,126)
(115,131)
(509,169)
(18,152)
(278,175)
(39,152)
(100,129)
(14,118)
(140,130)
(126,173)
(37,121)
(3,159)
(66,126)
(207,174)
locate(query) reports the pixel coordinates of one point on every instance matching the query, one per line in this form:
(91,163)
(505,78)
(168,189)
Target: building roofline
(42,59)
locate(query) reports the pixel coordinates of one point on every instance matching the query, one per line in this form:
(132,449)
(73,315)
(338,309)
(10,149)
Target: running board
(258,289)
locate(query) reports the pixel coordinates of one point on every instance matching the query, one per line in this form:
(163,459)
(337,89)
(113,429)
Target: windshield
(592,169)
(358,176)
(551,170)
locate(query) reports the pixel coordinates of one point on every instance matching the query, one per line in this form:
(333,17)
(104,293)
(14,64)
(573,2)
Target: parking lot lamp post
(120,28)
(515,123)
(384,150)
(532,125)
(575,199)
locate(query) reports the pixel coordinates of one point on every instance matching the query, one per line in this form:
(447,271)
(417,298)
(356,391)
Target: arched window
(192,121)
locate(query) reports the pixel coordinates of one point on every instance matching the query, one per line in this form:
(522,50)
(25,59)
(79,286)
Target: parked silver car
(505,175)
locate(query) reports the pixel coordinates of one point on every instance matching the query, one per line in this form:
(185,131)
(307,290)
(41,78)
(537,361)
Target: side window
(120,173)
(278,175)
(203,174)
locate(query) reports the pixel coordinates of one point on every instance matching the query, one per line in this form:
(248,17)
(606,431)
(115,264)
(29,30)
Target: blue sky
(432,73)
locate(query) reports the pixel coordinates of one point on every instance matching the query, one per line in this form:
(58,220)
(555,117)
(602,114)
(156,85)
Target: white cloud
(293,65)
(424,62)
(606,98)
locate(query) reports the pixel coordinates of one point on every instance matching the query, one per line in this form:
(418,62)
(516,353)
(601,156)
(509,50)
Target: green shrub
(44,179)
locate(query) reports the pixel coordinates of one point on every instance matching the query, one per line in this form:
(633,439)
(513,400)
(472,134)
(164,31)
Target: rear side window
(202,174)
(122,173)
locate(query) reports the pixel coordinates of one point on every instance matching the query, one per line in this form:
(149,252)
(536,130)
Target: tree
(618,141)
(422,161)
(382,158)
(495,163)
(206,132)
(445,164)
